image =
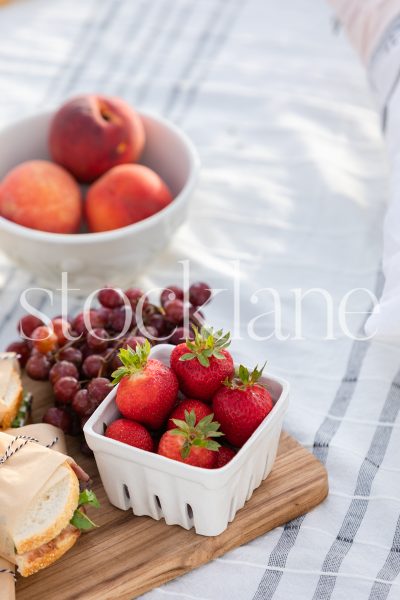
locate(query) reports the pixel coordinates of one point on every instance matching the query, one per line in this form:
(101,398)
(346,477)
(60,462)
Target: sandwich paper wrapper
(22,477)
(7,584)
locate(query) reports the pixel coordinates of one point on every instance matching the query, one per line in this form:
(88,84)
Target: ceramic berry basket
(153,485)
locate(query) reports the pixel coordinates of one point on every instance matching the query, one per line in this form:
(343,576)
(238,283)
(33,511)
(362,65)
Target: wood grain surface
(127,555)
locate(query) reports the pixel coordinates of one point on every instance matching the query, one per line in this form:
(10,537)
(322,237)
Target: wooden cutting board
(127,555)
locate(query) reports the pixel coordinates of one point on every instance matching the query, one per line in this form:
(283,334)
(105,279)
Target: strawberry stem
(206,344)
(197,435)
(133,361)
(244,378)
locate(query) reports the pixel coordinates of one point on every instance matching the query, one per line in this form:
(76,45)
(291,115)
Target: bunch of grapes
(79,355)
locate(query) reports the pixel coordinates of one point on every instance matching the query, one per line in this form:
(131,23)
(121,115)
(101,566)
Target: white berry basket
(156,486)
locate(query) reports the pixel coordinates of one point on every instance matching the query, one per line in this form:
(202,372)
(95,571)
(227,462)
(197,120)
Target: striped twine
(9,572)
(13,449)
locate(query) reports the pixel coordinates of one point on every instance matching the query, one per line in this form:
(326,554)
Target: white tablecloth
(293,186)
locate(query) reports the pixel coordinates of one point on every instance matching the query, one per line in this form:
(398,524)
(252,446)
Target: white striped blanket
(293,186)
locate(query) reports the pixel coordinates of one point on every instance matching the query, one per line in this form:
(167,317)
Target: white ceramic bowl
(111,257)
(153,485)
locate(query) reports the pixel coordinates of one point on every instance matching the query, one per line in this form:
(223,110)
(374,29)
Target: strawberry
(224,455)
(241,405)
(131,433)
(190,443)
(201,410)
(147,388)
(202,364)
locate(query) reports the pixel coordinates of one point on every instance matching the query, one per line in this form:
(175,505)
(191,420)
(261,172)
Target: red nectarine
(125,195)
(90,134)
(41,195)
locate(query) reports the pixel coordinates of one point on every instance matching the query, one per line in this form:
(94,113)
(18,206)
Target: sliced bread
(31,562)
(10,388)
(50,511)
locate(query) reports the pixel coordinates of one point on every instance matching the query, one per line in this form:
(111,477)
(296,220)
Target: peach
(91,134)
(125,195)
(41,195)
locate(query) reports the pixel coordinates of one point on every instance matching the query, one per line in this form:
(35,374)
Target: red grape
(92,365)
(97,339)
(172,292)
(174,311)
(95,354)
(21,349)
(94,318)
(158,322)
(199,293)
(116,363)
(102,318)
(61,329)
(180,335)
(71,354)
(150,309)
(86,351)
(58,417)
(110,297)
(65,389)
(120,320)
(195,315)
(78,323)
(27,324)
(133,340)
(134,295)
(150,333)
(169,326)
(44,339)
(98,389)
(38,367)
(63,368)
(81,403)
(98,318)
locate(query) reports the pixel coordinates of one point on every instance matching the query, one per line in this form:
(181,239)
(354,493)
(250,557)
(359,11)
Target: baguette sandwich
(11,393)
(53,521)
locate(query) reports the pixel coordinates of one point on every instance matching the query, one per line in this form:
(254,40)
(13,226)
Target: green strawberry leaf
(206,344)
(244,378)
(209,352)
(199,443)
(203,360)
(190,418)
(205,421)
(133,361)
(213,426)
(175,431)
(199,435)
(215,434)
(185,451)
(187,356)
(118,375)
(211,445)
(181,425)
